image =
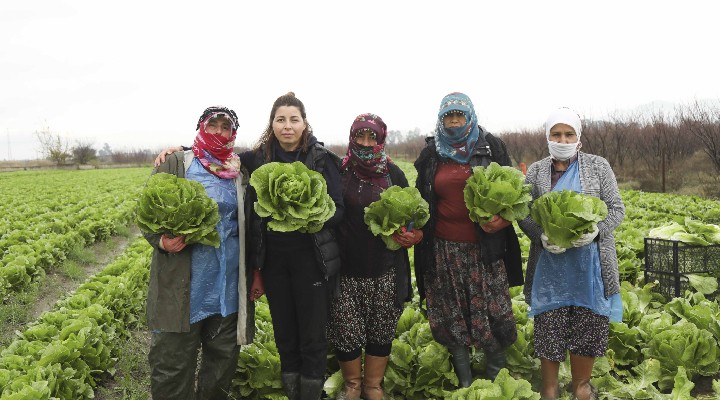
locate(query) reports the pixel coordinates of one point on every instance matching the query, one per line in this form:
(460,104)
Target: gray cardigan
(597,179)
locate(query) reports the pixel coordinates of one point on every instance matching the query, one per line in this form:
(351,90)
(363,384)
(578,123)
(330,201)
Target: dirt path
(23,308)
(57,285)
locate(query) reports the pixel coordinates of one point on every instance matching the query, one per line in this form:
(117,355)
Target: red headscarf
(215,152)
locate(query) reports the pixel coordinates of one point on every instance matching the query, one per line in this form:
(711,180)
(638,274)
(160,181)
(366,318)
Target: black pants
(173,360)
(297,294)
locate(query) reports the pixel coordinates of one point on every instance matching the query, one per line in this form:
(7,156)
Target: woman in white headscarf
(580,291)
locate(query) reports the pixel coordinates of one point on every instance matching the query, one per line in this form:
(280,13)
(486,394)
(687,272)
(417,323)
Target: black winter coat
(326,248)
(493,246)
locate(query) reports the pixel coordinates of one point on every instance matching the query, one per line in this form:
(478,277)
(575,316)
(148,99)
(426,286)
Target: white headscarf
(564,115)
(563,151)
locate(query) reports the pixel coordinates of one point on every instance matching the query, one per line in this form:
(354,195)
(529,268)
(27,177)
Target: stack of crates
(670,261)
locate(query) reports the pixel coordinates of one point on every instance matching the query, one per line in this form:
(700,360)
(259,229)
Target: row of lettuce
(663,347)
(64,353)
(660,350)
(44,215)
(656,353)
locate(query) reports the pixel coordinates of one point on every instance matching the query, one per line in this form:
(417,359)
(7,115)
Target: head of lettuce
(566,215)
(396,208)
(178,206)
(293,196)
(496,190)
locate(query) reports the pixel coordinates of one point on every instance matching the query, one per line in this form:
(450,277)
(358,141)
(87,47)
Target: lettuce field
(665,348)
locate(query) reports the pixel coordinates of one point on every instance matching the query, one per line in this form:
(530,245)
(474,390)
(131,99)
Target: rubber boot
(374,373)
(291,384)
(494,362)
(581,370)
(351,373)
(550,387)
(310,389)
(461,364)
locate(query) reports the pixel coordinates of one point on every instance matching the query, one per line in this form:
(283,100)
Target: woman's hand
(553,248)
(258,287)
(161,157)
(172,245)
(496,223)
(407,239)
(586,239)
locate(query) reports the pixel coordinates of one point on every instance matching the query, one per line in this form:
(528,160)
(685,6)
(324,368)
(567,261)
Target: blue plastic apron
(214,276)
(572,278)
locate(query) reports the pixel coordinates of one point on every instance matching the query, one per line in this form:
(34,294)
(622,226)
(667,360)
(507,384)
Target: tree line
(656,151)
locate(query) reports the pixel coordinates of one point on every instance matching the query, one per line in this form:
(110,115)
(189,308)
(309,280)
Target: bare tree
(52,145)
(105,152)
(619,130)
(409,147)
(134,156)
(703,121)
(83,152)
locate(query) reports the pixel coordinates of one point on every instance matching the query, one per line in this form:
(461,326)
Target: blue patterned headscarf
(457,143)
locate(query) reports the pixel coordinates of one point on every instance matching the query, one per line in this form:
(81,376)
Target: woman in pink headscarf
(198,295)
(374,281)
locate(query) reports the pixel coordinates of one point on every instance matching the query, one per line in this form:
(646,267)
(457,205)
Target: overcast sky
(137,74)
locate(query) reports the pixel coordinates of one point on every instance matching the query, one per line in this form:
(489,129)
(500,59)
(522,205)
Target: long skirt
(365,313)
(468,303)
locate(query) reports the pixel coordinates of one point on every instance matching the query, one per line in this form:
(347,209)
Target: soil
(57,285)
(27,307)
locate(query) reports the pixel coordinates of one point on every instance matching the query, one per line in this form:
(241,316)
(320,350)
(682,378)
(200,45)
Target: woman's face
(219,125)
(454,119)
(288,126)
(563,133)
(365,138)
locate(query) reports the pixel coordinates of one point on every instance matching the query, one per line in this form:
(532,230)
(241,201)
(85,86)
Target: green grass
(131,380)
(82,255)
(73,270)
(124,230)
(14,313)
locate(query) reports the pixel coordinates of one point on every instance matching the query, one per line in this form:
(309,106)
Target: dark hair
(268,138)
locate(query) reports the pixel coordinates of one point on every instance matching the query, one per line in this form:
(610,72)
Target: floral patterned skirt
(468,302)
(366,312)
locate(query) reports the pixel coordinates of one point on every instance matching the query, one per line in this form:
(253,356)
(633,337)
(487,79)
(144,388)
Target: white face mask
(562,151)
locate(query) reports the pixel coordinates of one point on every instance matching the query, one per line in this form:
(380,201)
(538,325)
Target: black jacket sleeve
(331,173)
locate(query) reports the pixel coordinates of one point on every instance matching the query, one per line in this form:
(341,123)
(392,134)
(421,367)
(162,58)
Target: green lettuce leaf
(178,206)
(294,197)
(497,190)
(396,208)
(566,215)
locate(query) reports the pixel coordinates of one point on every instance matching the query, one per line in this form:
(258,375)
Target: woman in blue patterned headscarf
(463,270)
(457,141)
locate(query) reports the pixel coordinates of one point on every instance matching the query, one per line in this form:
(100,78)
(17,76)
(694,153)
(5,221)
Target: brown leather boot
(374,374)
(351,373)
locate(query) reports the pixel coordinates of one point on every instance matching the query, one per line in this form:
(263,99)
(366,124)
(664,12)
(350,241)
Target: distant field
(45,213)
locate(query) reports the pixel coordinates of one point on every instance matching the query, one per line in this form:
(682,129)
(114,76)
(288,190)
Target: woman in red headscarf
(198,294)
(374,281)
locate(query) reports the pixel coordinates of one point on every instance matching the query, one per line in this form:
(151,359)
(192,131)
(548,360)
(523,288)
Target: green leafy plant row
(45,214)
(64,353)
